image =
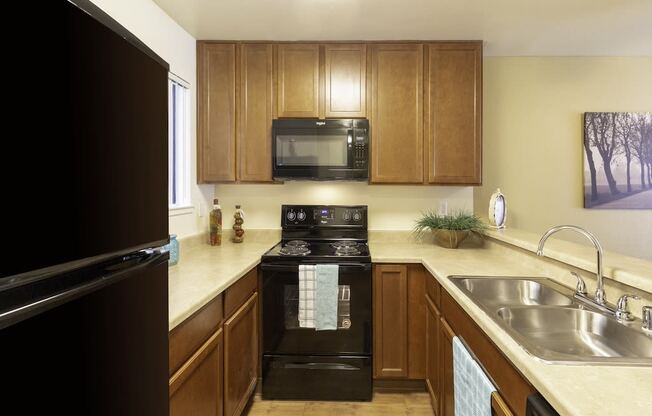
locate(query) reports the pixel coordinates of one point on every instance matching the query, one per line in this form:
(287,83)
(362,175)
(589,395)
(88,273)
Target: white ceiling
(508,27)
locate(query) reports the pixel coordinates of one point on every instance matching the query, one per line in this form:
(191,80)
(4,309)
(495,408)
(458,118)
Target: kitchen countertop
(572,390)
(204,272)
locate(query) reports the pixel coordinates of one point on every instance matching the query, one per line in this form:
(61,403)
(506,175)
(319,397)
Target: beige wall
(390,207)
(533,141)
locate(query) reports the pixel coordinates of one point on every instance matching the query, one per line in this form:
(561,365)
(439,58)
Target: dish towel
(306,296)
(471,386)
(326,297)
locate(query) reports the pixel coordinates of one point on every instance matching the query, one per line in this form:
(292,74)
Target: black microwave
(320,149)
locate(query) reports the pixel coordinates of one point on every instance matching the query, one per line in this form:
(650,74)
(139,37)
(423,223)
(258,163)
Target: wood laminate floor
(383,404)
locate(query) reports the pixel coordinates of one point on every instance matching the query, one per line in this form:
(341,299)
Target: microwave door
(313,151)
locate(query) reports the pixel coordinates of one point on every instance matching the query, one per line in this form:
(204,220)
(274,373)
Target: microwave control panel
(324,215)
(360,149)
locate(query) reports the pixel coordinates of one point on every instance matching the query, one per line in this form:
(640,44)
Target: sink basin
(514,291)
(546,320)
(572,334)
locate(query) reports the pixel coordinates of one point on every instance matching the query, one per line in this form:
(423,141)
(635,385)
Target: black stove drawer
(317,378)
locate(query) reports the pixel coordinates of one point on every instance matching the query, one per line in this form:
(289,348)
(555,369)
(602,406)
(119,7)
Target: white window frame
(179,128)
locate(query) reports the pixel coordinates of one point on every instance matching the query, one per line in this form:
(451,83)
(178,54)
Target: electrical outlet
(443,207)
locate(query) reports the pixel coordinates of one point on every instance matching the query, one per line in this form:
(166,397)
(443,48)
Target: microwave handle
(349,137)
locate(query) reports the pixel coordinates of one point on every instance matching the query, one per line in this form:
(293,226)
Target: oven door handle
(295,267)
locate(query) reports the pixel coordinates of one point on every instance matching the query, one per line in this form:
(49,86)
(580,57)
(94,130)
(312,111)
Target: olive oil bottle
(215,229)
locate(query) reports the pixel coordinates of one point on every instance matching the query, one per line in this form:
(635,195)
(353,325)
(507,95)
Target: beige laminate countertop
(572,390)
(204,271)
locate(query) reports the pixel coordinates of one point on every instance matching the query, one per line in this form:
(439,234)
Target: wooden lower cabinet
(240,356)
(433,373)
(196,388)
(214,364)
(390,321)
(399,322)
(415,320)
(446,393)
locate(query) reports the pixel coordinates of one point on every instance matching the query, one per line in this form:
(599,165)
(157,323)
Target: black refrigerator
(84,276)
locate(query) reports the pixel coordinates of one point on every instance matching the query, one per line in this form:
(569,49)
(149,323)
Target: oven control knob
(301,216)
(347,215)
(291,215)
(357,216)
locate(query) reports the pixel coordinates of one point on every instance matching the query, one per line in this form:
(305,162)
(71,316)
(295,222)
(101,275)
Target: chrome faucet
(600,297)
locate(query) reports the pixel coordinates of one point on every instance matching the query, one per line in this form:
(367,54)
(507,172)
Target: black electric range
(319,251)
(302,363)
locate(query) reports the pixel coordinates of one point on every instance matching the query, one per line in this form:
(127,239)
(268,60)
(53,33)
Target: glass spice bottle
(238,219)
(215,228)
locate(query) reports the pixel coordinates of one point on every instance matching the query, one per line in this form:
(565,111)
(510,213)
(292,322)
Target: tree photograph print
(618,160)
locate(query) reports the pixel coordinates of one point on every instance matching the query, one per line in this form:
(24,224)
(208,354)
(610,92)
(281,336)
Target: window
(179,151)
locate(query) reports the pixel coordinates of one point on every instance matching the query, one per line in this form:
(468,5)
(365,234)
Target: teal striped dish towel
(327,284)
(471,386)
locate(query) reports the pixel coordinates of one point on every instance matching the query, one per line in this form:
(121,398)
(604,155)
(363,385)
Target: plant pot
(450,238)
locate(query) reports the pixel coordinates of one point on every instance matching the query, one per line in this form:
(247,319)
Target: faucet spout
(600,296)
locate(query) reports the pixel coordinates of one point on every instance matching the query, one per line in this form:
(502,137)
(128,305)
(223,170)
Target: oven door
(281,331)
(313,153)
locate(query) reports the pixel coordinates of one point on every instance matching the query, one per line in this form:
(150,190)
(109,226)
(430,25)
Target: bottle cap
(216,202)
(237,207)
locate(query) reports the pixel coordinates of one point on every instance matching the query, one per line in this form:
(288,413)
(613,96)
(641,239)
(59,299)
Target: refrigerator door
(100,349)
(92,179)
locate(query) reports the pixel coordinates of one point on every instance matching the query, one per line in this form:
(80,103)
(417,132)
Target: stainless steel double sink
(545,319)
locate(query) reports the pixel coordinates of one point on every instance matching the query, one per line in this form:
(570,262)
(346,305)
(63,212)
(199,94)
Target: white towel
(307,284)
(326,301)
(471,386)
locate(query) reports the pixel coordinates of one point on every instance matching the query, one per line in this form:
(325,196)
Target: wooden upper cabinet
(298,80)
(396,116)
(255,113)
(454,113)
(216,87)
(390,321)
(345,73)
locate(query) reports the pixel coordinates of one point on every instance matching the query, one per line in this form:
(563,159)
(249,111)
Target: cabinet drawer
(189,335)
(240,291)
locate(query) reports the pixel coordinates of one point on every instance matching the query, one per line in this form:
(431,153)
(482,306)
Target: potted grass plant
(450,230)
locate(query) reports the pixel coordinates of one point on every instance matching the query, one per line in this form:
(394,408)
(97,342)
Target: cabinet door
(216,112)
(196,389)
(447,395)
(454,113)
(416,322)
(255,113)
(390,321)
(396,113)
(298,80)
(433,372)
(345,80)
(240,356)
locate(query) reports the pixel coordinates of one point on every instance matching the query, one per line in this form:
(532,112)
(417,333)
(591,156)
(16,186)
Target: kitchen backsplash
(391,207)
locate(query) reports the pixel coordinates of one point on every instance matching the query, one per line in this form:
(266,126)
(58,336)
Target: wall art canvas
(618,160)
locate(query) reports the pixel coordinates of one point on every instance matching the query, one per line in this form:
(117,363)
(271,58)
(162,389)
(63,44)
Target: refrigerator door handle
(103,275)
